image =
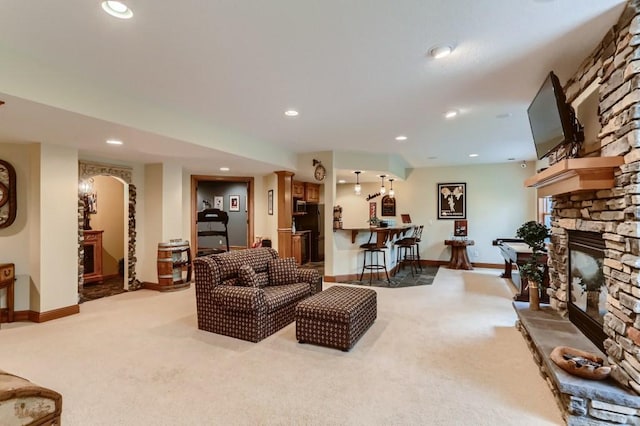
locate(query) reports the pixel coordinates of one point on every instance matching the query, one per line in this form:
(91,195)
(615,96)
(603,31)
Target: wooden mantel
(575,174)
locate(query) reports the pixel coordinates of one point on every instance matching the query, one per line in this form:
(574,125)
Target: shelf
(575,174)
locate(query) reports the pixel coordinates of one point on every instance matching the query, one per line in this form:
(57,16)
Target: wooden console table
(459,258)
(7,279)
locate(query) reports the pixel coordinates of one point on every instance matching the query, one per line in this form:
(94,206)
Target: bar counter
(383,234)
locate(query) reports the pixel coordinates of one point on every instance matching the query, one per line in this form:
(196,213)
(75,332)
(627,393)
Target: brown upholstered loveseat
(249,294)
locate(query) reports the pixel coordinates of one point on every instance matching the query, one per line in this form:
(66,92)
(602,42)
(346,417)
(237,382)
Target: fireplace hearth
(587,301)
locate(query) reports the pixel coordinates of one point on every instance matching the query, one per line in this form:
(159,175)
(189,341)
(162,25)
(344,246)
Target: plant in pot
(533,234)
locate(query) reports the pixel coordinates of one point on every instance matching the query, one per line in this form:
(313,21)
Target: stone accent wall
(614,212)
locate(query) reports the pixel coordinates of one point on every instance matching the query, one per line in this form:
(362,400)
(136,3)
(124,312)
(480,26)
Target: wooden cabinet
(300,245)
(311,192)
(297,189)
(296,247)
(307,191)
(7,278)
(92,245)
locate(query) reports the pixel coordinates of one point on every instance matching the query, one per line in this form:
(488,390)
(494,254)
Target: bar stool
(411,244)
(372,248)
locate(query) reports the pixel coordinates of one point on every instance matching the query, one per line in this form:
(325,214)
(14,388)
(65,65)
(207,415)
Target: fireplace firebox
(587,302)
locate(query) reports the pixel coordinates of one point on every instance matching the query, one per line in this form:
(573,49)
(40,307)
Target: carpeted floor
(441,354)
(402,278)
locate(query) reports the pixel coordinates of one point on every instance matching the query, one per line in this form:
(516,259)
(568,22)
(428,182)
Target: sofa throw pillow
(247,276)
(283,271)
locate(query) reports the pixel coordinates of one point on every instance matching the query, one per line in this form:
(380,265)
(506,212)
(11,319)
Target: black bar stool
(374,248)
(412,245)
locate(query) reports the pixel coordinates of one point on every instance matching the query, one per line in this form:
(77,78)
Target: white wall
(152,219)
(58,246)
(497,204)
(14,239)
(172,202)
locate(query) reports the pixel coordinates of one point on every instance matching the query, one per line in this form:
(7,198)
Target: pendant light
(392,193)
(358,188)
(382,188)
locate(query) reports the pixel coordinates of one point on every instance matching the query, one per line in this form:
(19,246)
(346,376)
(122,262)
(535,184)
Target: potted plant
(533,234)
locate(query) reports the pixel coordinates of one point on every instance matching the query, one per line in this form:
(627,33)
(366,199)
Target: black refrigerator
(313,221)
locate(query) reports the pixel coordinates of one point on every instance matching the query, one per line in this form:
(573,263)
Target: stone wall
(614,212)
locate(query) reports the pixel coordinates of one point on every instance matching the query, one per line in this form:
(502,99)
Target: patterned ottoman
(336,317)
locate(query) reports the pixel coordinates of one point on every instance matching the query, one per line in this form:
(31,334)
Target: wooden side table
(7,279)
(459,258)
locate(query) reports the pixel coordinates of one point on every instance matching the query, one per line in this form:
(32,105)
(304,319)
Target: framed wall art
(270,202)
(452,201)
(218,202)
(8,202)
(372,211)
(388,206)
(234,203)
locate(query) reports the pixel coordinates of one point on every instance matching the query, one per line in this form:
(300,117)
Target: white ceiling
(206,83)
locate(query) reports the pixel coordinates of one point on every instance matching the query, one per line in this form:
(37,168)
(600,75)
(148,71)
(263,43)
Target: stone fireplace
(594,253)
(612,213)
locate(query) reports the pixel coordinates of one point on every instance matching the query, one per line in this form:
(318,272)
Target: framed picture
(388,206)
(372,210)
(460,228)
(92,203)
(234,203)
(218,202)
(270,202)
(452,201)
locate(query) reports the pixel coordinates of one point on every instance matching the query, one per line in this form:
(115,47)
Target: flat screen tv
(553,121)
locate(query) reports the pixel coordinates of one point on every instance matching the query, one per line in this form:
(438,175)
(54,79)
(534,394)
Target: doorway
(120,260)
(232,195)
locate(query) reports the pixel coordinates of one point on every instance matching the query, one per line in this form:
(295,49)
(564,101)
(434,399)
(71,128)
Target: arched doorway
(87,171)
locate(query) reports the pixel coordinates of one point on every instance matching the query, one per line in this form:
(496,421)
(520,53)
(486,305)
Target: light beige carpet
(444,354)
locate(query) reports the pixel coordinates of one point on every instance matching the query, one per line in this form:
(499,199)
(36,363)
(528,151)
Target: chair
(372,248)
(412,245)
(212,216)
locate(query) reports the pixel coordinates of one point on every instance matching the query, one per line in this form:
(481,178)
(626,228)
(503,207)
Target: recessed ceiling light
(224,169)
(114,142)
(291,113)
(342,181)
(473,155)
(117,9)
(440,51)
(401,138)
(450,114)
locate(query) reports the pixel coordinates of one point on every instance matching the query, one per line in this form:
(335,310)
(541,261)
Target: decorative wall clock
(8,201)
(320,172)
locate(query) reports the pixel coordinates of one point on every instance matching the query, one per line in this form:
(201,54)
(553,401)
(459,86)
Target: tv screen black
(551,119)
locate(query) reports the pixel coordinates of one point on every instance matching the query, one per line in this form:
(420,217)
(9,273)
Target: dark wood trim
(53,314)
(17,316)
(194,208)
(487,265)
(165,288)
